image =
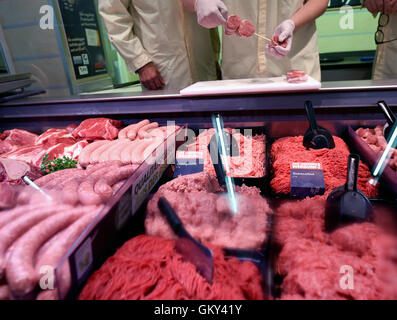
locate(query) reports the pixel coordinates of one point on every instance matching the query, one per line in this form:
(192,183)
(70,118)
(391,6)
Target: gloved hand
(211,13)
(285,33)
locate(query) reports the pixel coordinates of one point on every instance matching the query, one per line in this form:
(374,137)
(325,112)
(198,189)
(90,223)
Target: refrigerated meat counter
(284,228)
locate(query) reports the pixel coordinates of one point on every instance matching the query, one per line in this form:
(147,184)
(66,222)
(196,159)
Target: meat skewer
(262,37)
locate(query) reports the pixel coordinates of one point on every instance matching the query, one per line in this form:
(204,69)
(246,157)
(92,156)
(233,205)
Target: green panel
(332,38)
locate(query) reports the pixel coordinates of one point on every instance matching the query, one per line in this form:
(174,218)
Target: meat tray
(344,135)
(261,182)
(389,176)
(101,235)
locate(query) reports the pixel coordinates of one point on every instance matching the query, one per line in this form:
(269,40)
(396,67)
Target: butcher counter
(341,107)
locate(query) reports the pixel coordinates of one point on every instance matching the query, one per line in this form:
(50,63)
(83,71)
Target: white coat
(247,57)
(162,32)
(385,66)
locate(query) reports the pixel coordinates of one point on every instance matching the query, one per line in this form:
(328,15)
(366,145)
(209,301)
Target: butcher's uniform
(162,32)
(247,58)
(385,66)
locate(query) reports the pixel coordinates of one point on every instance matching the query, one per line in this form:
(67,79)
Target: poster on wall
(81,26)
(341,3)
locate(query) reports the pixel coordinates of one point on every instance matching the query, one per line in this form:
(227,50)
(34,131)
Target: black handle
(352,172)
(172,218)
(389,115)
(311,116)
(217,161)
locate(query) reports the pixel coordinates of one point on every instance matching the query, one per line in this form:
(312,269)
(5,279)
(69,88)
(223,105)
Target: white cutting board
(241,86)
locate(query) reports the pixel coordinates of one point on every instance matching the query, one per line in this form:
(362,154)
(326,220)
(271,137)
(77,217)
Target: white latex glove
(285,33)
(211,13)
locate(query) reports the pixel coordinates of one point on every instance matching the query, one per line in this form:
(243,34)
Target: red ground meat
(287,150)
(147,268)
(310,260)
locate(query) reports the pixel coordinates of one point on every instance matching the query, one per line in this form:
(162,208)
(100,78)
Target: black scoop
(347,204)
(232,149)
(316,137)
(390,118)
(188,247)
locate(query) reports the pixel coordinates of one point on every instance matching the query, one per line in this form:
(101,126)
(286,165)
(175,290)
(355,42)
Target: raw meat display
(148,268)
(91,186)
(251,161)
(377,142)
(242,28)
(311,260)
(14,139)
(97,128)
(137,142)
(54,142)
(297,76)
(287,150)
(37,235)
(20,137)
(8,196)
(13,171)
(206,213)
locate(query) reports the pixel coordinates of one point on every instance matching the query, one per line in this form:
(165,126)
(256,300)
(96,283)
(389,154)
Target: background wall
(33,49)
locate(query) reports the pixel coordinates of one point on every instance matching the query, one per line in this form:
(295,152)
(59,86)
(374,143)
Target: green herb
(49,166)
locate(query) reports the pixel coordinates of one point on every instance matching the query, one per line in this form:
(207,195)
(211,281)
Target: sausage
(143,131)
(18,227)
(125,155)
(84,157)
(123,132)
(116,153)
(62,180)
(21,275)
(118,185)
(87,195)
(52,254)
(10,215)
(133,131)
(94,156)
(137,152)
(93,167)
(133,128)
(105,156)
(4,292)
(69,193)
(41,182)
(104,186)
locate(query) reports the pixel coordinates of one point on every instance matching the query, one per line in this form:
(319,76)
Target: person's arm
(119,26)
(283,34)
(311,10)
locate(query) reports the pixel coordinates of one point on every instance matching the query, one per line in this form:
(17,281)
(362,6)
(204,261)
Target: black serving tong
(187,246)
(316,137)
(390,118)
(347,204)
